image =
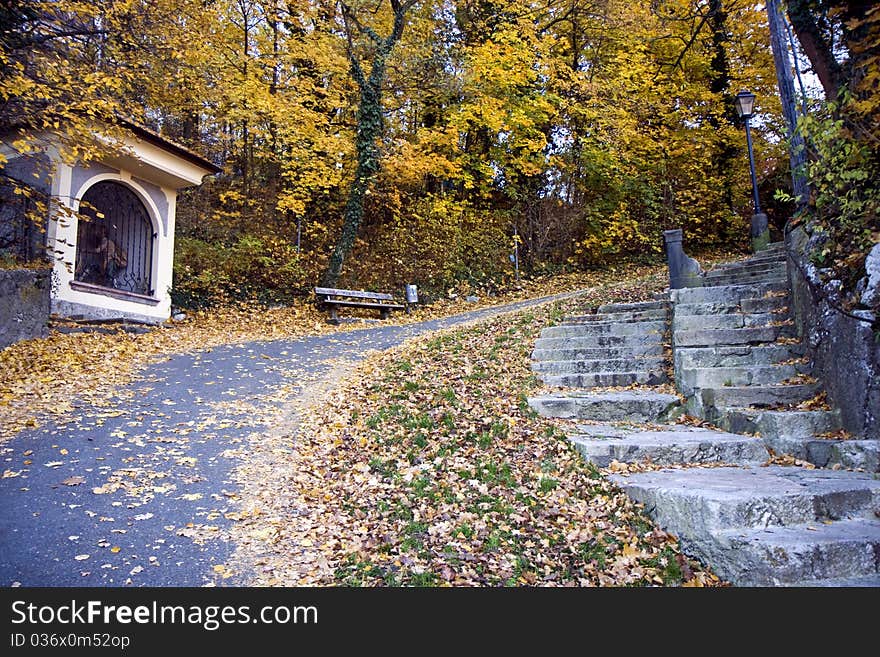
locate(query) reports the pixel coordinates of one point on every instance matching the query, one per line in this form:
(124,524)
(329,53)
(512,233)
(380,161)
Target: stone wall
(24,304)
(845,349)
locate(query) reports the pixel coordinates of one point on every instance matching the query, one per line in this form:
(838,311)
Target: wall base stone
(24,304)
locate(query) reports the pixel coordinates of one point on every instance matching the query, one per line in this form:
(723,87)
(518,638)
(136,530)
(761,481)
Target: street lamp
(760,232)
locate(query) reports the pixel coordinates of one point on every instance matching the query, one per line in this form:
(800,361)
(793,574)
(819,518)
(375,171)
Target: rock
(179,316)
(471,298)
(24,304)
(871,295)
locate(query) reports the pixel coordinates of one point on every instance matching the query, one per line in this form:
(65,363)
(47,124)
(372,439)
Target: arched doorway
(114,240)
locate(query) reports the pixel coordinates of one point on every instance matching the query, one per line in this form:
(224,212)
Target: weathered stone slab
(594,341)
(727,293)
(669,447)
(743,279)
(695,502)
(587,329)
(714,337)
(826,452)
(777,424)
(24,304)
(776,266)
(630,316)
(775,556)
(745,305)
(759,395)
(632,351)
(715,377)
(626,405)
(606,379)
(759,355)
(599,365)
(684,322)
(624,307)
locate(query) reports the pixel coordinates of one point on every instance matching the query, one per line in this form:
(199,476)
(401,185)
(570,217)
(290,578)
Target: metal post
(516,252)
(760,230)
(752,169)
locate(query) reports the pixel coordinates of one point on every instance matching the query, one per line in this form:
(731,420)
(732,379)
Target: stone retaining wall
(845,350)
(24,304)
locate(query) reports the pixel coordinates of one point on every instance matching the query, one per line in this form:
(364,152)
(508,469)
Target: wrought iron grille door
(114,240)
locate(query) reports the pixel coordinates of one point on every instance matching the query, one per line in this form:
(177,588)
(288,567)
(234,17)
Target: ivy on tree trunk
(369,125)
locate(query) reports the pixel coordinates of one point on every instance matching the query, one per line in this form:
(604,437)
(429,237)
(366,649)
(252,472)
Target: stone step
(588,329)
(678,444)
(599,365)
(606,379)
(779,556)
(745,355)
(763,260)
(625,405)
(758,259)
(865,581)
(728,293)
(728,321)
(743,280)
(733,336)
(645,315)
(762,305)
(629,307)
(774,270)
(690,379)
(632,351)
(776,262)
(797,433)
(698,501)
(765,305)
(756,396)
(827,452)
(778,424)
(596,341)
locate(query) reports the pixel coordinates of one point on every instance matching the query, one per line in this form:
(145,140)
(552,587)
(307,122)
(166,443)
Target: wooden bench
(331,299)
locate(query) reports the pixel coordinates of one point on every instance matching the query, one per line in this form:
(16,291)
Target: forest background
(377,143)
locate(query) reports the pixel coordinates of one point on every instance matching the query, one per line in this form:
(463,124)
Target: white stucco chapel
(111,234)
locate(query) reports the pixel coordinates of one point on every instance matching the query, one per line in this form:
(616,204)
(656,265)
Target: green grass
(547,484)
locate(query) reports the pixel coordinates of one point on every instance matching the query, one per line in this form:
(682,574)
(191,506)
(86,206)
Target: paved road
(138,494)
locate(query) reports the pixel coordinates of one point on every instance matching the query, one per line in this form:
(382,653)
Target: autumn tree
(842,41)
(365,44)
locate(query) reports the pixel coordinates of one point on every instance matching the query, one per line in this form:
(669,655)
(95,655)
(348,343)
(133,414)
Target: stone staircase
(739,366)
(620,345)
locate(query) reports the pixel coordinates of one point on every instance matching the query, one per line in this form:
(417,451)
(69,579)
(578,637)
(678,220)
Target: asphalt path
(140,493)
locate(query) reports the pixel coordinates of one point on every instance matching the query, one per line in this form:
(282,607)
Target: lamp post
(759,232)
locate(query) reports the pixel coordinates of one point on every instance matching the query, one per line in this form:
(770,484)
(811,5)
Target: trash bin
(412,294)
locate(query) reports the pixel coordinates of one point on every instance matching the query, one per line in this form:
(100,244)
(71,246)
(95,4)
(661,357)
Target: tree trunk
(369,128)
(785,81)
(816,47)
(725,151)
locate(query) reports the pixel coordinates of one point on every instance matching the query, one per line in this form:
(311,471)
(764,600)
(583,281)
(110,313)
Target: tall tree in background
(364,43)
(842,41)
(785,85)
(410,140)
